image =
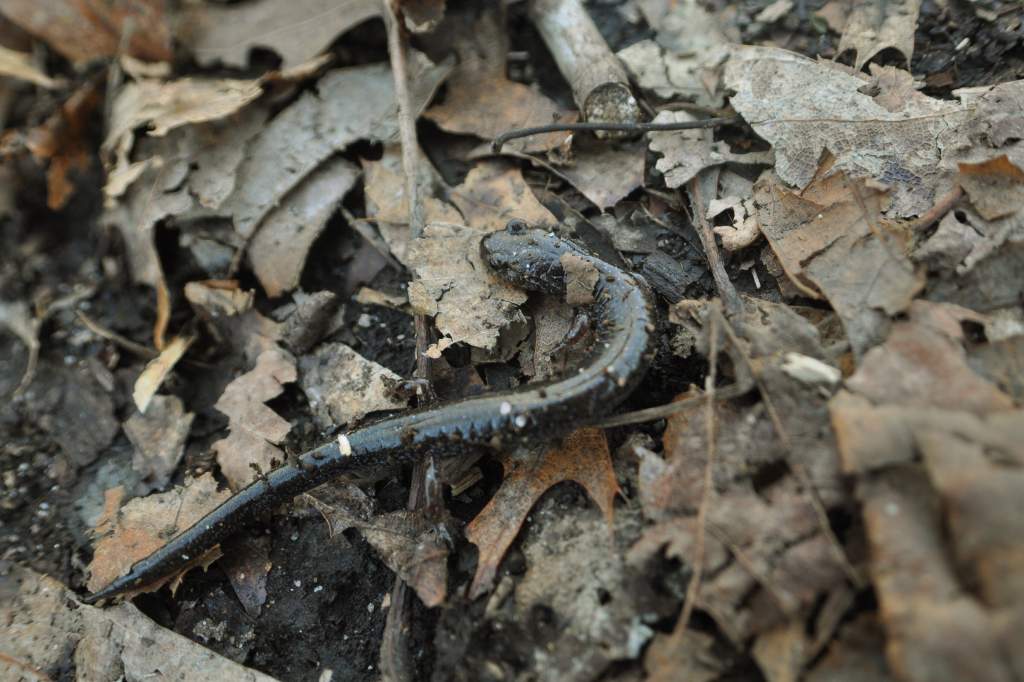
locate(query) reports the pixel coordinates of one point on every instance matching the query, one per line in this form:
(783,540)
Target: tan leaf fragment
(494,193)
(255,429)
(157,369)
(831,238)
(583,458)
(279,249)
(296,30)
(49,631)
(159,437)
(143,525)
(684,153)
(342,386)
(606,174)
(744,229)
(874,26)
(19,65)
(453,284)
(246,562)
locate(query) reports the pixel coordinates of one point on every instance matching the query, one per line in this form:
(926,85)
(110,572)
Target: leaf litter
(873,337)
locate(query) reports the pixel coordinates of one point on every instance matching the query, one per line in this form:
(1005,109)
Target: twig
(726,291)
(500,140)
(693,587)
(124,342)
(396,662)
(668,409)
(942,206)
(798,468)
(599,82)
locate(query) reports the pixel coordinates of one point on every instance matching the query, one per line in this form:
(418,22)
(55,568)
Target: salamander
(622,315)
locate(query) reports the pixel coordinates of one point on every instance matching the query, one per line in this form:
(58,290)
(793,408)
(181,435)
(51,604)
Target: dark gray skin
(622,317)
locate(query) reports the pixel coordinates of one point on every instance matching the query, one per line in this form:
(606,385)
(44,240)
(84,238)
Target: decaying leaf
(342,386)
(805,108)
(832,239)
(256,430)
(669,75)
(143,525)
(470,304)
(874,26)
(159,436)
(83,30)
(584,458)
(296,30)
(157,369)
(247,564)
(47,632)
(685,153)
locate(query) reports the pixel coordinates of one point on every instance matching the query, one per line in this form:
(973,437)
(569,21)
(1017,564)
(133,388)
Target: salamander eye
(516,226)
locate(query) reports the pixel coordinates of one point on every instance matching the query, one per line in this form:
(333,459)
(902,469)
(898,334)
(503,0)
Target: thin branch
(667,410)
(502,139)
(726,291)
(693,588)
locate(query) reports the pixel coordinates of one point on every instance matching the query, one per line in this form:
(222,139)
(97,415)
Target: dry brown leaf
(875,26)
(923,362)
(83,30)
(470,304)
(256,430)
(583,458)
(215,298)
(494,193)
(342,386)
(159,437)
(47,630)
(831,238)
(278,250)
(485,103)
(685,153)
(606,174)
(143,525)
(157,369)
(19,65)
(297,30)
(857,655)
(804,108)
(995,187)
(689,76)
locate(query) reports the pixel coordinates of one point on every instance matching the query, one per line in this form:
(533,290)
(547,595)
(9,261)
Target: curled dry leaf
(583,458)
(256,430)
(832,239)
(143,525)
(19,65)
(157,369)
(342,386)
(85,30)
(278,250)
(47,632)
(469,303)
(158,437)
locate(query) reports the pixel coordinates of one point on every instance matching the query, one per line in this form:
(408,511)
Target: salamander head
(525,257)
